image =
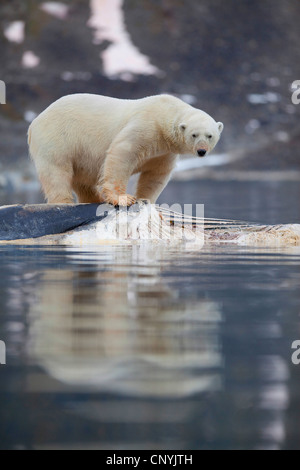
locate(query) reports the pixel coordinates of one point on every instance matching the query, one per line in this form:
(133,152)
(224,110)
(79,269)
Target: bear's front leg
(155,175)
(119,165)
(111,196)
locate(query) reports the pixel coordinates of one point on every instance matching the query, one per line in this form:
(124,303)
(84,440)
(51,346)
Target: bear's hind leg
(88,194)
(57,185)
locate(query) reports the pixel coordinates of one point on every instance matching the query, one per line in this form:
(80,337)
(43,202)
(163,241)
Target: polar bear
(91,145)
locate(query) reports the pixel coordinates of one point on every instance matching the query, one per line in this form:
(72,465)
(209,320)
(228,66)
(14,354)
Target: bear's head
(200,133)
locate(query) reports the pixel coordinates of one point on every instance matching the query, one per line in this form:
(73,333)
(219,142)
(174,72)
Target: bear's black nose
(201,152)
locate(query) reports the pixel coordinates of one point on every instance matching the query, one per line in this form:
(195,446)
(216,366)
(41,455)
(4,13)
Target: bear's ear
(220,127)
(182,126)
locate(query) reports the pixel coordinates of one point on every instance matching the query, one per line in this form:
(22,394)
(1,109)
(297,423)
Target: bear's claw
(122,200)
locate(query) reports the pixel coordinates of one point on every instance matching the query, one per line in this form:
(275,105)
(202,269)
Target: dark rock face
(224,52)
(235,60)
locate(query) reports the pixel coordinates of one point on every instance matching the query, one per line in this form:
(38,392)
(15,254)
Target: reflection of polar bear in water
(131,334)
(93,144)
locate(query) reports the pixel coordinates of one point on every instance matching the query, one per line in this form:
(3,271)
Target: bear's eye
(195,136)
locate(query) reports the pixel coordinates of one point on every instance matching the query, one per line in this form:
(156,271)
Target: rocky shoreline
(239,71)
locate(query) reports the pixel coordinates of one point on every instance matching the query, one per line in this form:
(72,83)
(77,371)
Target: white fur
(92,144)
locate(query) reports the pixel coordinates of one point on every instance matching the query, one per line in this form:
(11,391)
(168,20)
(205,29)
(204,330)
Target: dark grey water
(149,348)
